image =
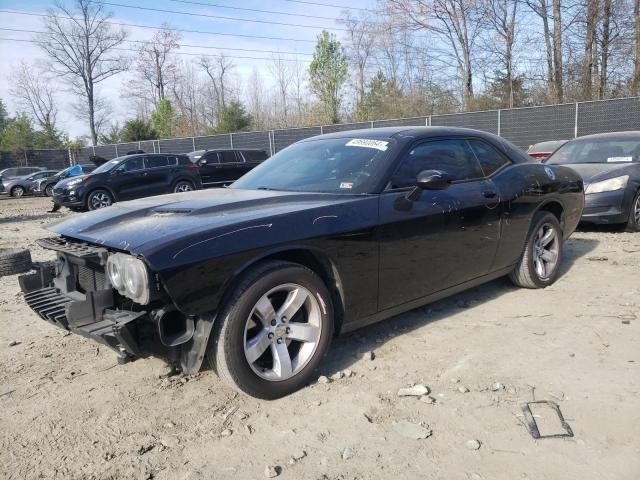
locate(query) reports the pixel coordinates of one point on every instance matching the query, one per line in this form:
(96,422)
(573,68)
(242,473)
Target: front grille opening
(89,279)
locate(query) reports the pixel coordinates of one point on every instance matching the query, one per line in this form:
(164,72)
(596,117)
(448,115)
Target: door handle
(489,193)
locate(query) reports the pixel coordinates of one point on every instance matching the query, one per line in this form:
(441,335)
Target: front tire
(273,331)
(183,186)
(99,198)
(633,224)
(49,191)
(539,265)
(17,191)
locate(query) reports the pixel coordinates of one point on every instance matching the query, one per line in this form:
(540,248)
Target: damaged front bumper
(72,293)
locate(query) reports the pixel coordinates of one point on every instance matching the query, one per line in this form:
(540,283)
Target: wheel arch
(555,207)
(314,259)
(100,187)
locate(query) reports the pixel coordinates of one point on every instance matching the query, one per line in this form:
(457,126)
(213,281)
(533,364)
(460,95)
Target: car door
(232,166)
(157,175)
(209,173)
(445,237)
(129,179)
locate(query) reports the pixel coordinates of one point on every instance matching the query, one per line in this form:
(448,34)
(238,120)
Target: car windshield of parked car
(335,165)
(105,167)
(597,151)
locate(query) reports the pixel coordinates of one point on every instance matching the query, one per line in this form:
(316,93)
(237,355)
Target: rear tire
(255,348)
(49,191)
(99,198)
(539,265)
(633,224)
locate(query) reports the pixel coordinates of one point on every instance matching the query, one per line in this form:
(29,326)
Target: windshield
(105,167)
(335,165)
(597,151)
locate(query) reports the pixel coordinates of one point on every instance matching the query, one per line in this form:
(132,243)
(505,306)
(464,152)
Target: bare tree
(359,45)
(256,96)
(588,64)
(218,69)
(501,16)
(34,92)
(553,44)
(281,71)
(154,62)
(458,22)
(82,47)
(635,84)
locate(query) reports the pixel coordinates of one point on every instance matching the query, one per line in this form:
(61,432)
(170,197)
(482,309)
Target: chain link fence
(522,126)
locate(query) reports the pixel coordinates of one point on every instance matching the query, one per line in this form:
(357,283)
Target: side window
(211,157)
(453,156)
(254,155)
(134,164)
(229,156)
(157,161)
(172,161)
(490,159)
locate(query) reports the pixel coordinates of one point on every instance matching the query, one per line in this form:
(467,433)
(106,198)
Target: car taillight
(193,167)
(540,156)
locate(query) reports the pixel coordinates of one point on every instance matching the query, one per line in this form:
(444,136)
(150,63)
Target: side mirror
(429,180)
(202,162)
(118,170)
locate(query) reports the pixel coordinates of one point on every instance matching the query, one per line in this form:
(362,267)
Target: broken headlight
(129,276)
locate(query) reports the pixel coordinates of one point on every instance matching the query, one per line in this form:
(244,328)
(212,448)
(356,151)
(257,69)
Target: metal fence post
(117,150)
(193,142)
(70,159)
(499,122)
(231,139)
(93,147)
(371,123)
(272,141)
(321,130)
(575,125)
(159,149)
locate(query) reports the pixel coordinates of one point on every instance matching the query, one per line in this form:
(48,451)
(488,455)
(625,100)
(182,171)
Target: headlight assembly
(609,185)
(129,276)
(75,181)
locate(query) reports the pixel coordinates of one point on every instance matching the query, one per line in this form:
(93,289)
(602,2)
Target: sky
(200,16)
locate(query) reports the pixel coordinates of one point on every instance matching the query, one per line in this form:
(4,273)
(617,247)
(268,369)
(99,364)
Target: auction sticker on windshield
(368,143)
(619,159)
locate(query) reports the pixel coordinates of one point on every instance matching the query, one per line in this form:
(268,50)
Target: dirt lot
(69,412)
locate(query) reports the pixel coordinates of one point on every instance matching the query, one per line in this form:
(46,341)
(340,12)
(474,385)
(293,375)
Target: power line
(245,9)
(222,17)
(332,5)
(180,44)
(38,42)
(204,32)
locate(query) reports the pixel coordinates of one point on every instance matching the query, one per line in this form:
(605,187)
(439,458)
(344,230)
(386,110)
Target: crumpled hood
(170,230)
(594,172)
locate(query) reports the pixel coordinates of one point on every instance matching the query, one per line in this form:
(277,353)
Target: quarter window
(452,156)
(490,159)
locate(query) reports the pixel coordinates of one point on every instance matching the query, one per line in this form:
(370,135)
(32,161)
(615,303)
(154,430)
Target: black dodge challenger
(329,235)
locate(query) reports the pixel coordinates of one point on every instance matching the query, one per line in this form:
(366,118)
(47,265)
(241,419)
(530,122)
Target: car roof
(629,135)
(407,132)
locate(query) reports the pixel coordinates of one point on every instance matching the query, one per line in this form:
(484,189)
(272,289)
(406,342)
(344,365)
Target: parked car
(541,151)
(126,178)
(45,186)
(20,186)
(15,172)
(222,167)
(329,235)
(610,167)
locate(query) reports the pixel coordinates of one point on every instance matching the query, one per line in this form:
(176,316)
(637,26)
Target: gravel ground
(68,411)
